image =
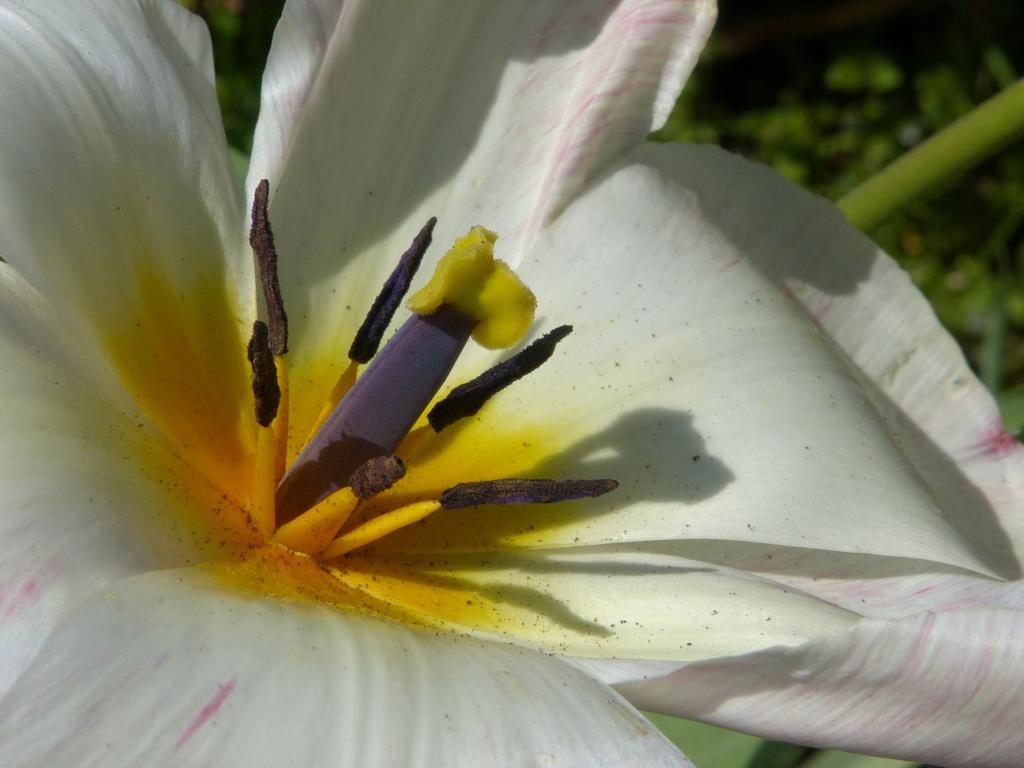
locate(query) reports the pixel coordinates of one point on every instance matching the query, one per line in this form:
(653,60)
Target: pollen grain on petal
(179,351)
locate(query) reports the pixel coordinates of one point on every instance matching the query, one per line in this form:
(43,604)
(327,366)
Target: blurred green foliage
(241,31)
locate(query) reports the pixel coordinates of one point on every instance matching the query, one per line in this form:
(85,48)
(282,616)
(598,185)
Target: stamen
(265,389)
(261,502)
(380,526)
(376,476)
(314,530)
(261,238)
(523,492)
(378,411)
(280,425)
(368,337)
(468,495)
(466,399)
(470,293)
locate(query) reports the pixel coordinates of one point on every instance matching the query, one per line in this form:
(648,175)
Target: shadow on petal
(486,590)
(442,117)
(866,305)
(956,496)
(656,454)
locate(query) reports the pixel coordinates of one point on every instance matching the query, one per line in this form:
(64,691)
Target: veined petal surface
(939,688)
(607,602)
(193,675)
(91,494)
(377,115)
(118,205)
(912,370)
(870,585)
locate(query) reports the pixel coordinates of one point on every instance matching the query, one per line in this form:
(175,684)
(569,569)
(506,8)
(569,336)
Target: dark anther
(364,345)
(261,238)
(376,476)
(265,389)
(466,399)
(523,492)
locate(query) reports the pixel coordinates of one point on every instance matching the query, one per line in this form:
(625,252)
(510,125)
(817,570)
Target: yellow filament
(470,279)
(261,504)
(341,388)
(280,424)
(389,522)
(313,530)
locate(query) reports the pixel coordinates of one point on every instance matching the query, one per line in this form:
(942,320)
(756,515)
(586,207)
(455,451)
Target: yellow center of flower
(497,309)
(388,451)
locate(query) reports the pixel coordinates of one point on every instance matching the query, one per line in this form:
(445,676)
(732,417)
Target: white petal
(30,323)
(944,688)
(377,115)
(118,205)
(168,669)
(881,595)
(880,587)
(944,419)
(90,494)
(698,384)
(591,601)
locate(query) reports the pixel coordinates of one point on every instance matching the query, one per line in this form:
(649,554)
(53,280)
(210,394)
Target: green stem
(961,145)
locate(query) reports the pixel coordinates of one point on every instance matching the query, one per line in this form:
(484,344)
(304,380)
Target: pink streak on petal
(15,598)
(24,597)
(821,312)
(209,710)
(998,442)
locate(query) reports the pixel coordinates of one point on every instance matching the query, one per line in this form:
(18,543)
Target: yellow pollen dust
(470,279)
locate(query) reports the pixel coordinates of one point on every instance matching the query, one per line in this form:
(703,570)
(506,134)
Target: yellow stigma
(470,279)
